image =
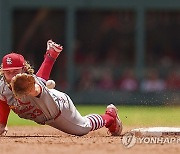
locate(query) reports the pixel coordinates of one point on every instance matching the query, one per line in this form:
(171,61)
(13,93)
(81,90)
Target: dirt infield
(46,140)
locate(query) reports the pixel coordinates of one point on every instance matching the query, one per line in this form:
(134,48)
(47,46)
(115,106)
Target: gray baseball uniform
(51,107)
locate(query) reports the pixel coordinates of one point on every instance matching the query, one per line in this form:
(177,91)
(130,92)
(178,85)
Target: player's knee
(82,131)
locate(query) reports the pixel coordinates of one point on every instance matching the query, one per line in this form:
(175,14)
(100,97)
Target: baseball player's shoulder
(1,78)
(2,83)
(39,79)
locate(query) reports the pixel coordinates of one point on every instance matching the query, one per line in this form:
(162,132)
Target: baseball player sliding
(27,95)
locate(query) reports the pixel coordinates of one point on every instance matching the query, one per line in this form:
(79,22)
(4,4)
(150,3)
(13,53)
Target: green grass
(130,115)
(141,115)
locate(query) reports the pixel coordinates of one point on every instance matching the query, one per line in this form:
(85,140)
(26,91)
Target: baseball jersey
(42,108)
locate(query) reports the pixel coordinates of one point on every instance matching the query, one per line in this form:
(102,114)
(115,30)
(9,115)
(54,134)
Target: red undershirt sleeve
(4,112)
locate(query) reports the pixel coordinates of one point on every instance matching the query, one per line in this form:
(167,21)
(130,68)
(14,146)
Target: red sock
(96,121)
(46,67)
(108,120)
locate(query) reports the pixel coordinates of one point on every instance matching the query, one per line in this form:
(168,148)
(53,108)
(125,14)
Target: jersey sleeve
(4,112)
(45,68)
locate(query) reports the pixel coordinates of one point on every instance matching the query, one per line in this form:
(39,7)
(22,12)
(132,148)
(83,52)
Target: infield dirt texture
(47,140)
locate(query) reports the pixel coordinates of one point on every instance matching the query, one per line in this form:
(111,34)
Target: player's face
(9,74)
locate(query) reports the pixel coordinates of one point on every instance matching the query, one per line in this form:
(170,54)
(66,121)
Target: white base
(157,131)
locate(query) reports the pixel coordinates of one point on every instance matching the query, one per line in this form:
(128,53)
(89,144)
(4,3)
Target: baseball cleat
(116,127)
(53,49)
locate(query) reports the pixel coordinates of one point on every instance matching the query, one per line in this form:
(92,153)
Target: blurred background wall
(120,51)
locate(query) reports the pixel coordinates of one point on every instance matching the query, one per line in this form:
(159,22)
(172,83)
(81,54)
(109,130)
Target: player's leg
(52,52)
(70,120)
(115,126)
(111,120)
(53,49)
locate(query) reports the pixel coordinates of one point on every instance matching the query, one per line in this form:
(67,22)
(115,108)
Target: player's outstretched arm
(4,113)
(3,129)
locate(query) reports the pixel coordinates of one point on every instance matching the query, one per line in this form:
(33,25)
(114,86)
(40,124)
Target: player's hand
(3,129)
(36,90)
